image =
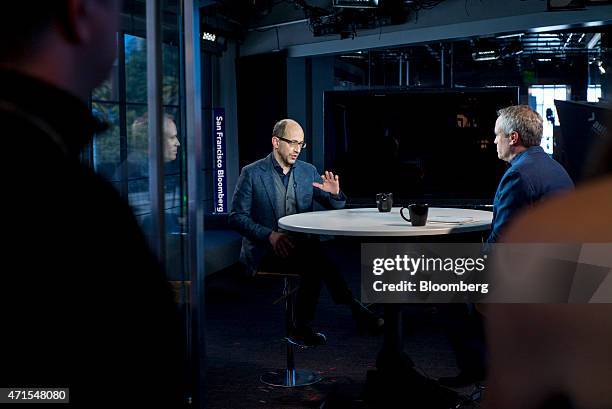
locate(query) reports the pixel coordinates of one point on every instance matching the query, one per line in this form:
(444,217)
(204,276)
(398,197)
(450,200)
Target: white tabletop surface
(371,222)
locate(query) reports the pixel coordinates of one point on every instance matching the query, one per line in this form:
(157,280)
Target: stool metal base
(290,378)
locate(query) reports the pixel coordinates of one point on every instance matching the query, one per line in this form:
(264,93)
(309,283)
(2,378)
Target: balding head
(285,126)
(287,141)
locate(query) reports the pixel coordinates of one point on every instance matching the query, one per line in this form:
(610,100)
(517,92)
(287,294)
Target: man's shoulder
(305,165)
(258,164)
(535,156)
(531,161)
(263,165)
(96,192)
(540,164)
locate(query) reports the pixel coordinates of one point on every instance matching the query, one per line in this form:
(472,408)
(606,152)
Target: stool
(288,377)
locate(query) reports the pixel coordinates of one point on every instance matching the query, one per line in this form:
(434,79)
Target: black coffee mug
(418,214)
(384,202)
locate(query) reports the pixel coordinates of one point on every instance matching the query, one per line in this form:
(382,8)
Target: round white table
(369,222)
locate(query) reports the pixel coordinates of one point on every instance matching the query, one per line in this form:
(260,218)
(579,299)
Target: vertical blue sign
(219,178)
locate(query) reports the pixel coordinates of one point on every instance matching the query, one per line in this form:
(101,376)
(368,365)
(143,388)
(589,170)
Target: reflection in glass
(109,89)
(136,71)
(122,153)
(136,166)
(106,151)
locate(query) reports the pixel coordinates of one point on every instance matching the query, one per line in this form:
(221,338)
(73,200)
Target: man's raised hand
(331,183)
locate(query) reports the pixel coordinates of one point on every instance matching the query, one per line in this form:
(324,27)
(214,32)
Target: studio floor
(244,340)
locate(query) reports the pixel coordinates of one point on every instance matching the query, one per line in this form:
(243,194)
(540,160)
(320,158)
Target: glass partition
(121,154)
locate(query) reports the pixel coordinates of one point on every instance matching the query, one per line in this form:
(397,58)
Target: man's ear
(274,142)
(514,138)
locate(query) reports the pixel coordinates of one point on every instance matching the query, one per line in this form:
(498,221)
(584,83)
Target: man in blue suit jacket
(532,176)
(280,185)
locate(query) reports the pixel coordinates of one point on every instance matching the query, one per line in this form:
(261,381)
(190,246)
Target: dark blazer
(85,303)
(532,175)
(254,214)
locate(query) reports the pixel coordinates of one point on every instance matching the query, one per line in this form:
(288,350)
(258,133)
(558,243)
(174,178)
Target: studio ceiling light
(209,37)
(485,55)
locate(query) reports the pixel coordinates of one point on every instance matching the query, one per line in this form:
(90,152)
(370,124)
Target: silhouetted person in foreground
(84,304)
(555,355)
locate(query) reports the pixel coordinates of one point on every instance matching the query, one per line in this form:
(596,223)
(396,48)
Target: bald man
(280,185)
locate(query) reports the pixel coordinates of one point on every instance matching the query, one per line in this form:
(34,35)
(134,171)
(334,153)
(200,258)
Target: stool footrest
(290,378)
(276,275)
(297,344)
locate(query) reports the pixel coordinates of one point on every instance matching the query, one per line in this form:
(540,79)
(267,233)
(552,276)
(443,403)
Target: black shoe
(460,381)
(365,320)
(304,336)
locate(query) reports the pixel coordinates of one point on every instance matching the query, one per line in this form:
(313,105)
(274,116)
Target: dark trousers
(315,269)
(465,330)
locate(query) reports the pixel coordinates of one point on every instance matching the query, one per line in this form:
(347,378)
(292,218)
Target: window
(593,93)
(542,100)
(121,154)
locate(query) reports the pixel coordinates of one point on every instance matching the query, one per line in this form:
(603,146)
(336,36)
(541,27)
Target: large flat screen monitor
(422,145)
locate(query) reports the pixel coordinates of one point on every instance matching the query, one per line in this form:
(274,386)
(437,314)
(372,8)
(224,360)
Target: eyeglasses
(302,144)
